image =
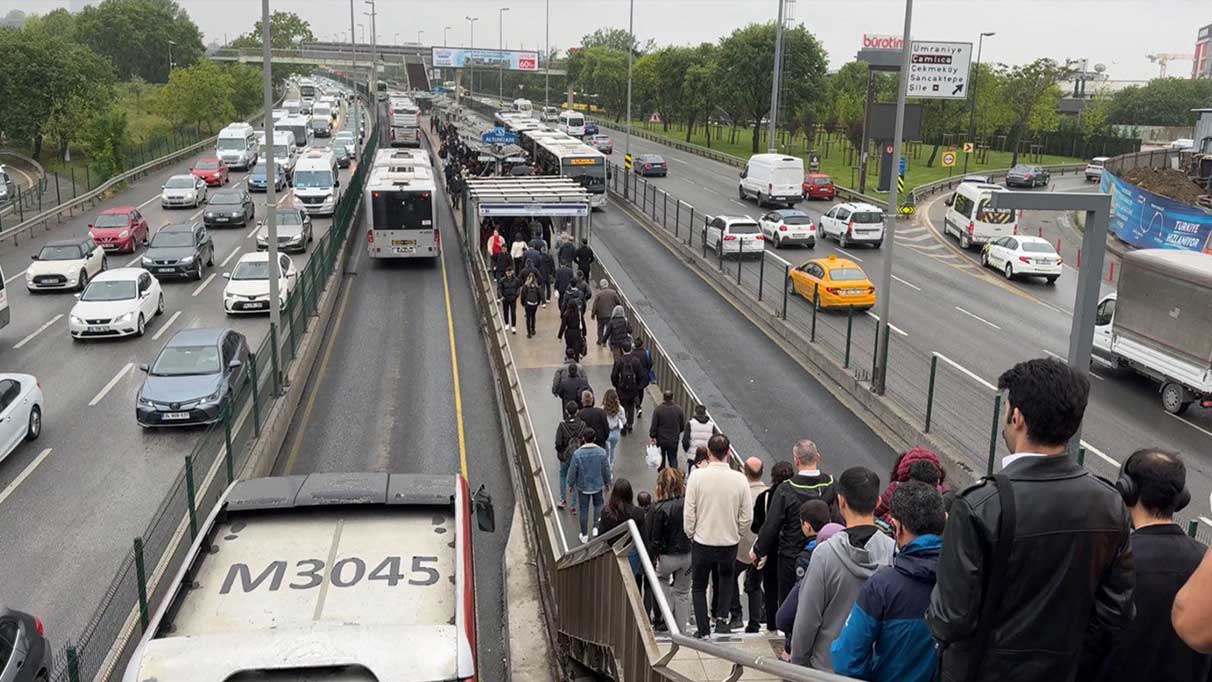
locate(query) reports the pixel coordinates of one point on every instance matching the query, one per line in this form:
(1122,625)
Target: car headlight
(145,261)
(210,214)
(212,398)
(124,318)
(295,239)
(187,260)
(235,214)
(143,401)
(123,234)
(75,320)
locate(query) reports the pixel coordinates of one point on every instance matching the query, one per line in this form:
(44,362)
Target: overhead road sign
(949,158)
(498,136)
(939,70)
(459,57)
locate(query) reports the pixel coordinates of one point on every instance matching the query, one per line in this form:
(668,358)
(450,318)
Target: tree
(1032,94)
(58,24)
(747,65)
(103,136)
(137,36)
(616,39)
(1161,102)
(286,30)
(603,72)
(700,88)
(246,96)
(14,19)
(199,96)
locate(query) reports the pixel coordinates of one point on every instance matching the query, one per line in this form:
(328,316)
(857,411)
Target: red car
(818,186)
(119,229)
(210,169)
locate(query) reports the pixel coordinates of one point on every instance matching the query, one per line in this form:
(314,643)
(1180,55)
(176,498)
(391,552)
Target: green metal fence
(145,574)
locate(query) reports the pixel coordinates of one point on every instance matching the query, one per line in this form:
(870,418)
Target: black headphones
(1130,491)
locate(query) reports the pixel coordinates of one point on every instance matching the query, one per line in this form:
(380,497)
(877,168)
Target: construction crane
(1163,58)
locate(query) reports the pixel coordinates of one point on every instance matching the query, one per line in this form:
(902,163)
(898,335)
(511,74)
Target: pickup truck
(1157,324)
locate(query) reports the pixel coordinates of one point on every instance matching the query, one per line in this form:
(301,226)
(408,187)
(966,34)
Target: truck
(405,120)
(1158,324)
(341,576)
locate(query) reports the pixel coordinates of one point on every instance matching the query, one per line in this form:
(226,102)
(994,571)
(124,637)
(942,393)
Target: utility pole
(772,141)
(353,43)
(374,53)
(271,189)
(546,51)
(630,51)
(501,56)
(879,375)
(471,58)
(980,44)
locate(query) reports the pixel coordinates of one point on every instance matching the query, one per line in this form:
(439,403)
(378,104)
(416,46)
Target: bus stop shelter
(560,203)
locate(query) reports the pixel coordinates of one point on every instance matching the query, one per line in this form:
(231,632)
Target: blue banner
(498,136)
(1150,221)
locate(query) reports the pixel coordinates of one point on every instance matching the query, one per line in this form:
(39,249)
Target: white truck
(1159,324)
(361,576)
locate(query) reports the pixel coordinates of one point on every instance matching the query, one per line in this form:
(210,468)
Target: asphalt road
(72,502)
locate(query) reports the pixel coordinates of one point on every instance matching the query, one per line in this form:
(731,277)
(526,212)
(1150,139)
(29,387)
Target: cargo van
(970,218)
(316,182)
(773,178)
(236,146)
(286,153)
(321,120)
(299,126)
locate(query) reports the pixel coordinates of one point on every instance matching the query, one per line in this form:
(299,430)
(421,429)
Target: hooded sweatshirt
(836,574)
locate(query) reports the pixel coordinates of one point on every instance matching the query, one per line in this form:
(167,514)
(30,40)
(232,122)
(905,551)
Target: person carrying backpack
(617,333)
(567,440)
(626,376)
(532,297)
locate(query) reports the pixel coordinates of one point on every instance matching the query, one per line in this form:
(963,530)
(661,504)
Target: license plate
(404,249)
(255,305)
(174,416)
(403,242)
(220,220)
(109,247)
(854,292)
(98,329)
(165,269)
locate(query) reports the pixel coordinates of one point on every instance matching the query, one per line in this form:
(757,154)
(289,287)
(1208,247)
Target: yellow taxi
(839,283)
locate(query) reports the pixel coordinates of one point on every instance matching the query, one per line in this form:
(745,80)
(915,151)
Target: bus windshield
(590,173)
(402,210)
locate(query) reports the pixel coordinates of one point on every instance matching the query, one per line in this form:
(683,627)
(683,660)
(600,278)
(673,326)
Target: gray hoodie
(835,575)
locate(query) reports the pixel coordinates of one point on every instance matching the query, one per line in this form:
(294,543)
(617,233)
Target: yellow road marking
(454,370)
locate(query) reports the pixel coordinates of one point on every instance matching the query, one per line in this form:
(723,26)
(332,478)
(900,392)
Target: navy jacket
(885,637)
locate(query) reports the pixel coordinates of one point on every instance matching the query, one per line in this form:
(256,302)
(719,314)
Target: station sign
(554,210)
(498,136)
(939,70)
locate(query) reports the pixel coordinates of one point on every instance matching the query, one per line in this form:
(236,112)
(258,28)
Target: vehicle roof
(789,212)
(768,158)
(116,210)
(811,174)
(118,274)
(187,176)
(1191,266)
(860,207)
(1101,158)
(830,262)
(66,242)
(255,257)
(736,218)
(979,187)
(178,227)
(208,157)
(1022,238)
(197,336)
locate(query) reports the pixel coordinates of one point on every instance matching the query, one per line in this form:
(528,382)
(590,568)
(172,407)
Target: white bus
(401,204)
(398,158)
(572,123)
(573,159)
(308,90)
(405,118)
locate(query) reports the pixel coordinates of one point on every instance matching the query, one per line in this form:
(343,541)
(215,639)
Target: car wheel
(1009,271)
(740,191)
(965,242)
(1052,279)
(778,242)
(878,244)
(142,328)
(812,244)
(160,305)
(198,270)
(83,280)
(842,242)
(1173,396)
(34,429)
(104,264)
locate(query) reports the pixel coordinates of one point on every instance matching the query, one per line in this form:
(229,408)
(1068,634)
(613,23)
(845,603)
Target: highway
(74,500)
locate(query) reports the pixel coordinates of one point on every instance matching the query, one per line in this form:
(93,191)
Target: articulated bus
(573,159)
(402,207)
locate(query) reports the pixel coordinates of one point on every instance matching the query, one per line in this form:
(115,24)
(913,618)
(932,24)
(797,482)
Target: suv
(1094,169)
(179,251)
(734,234)
(854,223)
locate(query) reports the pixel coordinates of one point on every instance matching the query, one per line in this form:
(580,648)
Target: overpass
(340,55)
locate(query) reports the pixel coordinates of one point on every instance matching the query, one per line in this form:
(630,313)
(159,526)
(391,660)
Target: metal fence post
(665,209)
(849,329)
(740,259)
(677,217)
(761,275)
(88,178)
(290,321)
(73,662)
(930,392)
(58,198)
(690,229)
(141,579)
(191,495)
(231,455)
(273,348)
(997,413)
(1192,527)
(256,398)
(20,206)
(816,307)
(875,352)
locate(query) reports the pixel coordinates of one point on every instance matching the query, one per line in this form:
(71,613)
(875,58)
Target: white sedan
(20,411)
(116,303)
(1022,255)
(247,289)
(788,226)
(183,190)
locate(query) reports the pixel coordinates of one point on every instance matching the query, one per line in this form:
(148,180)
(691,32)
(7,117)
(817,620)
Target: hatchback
(121,228)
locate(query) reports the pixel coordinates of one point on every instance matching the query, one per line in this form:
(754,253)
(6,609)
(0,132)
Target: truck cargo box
(1165,301)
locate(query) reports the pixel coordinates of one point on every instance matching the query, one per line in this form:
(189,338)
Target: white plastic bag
(653,456)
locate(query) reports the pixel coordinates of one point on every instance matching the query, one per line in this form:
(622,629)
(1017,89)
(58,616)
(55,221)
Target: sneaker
(639,413)
(584,538)
(753,627)
(723,628)
(561,504)
(595,531)
(699,634)
(544,305)
(514,330)
(736,623)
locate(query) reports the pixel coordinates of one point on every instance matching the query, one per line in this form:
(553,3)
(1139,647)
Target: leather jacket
(1067,588)
(666,534)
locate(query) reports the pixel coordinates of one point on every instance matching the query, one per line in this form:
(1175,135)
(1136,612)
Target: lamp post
(501,55)
(546,51)
(444,32)
(471,59)
(420,32)
(353,69)
(170,56)
(363,27)
(630,51)
(980,44)
(271,193)
(374,56)
(771,143)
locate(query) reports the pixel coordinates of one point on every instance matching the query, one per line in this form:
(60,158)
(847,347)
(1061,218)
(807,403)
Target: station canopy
(528,196)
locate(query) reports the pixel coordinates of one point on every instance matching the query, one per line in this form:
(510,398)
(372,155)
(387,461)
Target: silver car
(24,655)
(294,231)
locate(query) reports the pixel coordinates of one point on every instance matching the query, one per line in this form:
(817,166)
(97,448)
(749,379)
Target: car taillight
(1205,403)
(760,237)
(38,621)
(811,227)
(969,228)
(647,166)
(849,226)
(729,237)
(370,236)
(782,228)
(1024,259)
(832,290)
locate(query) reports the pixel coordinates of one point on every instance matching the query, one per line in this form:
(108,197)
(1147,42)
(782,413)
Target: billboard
(1202,63)
(459,58)
(1150,221)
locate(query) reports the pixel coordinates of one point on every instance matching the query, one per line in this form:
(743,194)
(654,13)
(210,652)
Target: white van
(316,182)
(299,125)
(773,178)
(970,218)
(286,153)
(321,120)
(572,123)
(292,106)
(236,146)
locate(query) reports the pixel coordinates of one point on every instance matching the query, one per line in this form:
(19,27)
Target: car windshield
(71,252)
(280,152)
(232,144)
(176,361)
(172,239)
(226,198)
(653,159)
(344,138)
(288,218)
(180,182)
(867,218)
(110,220)
(110,290)
(206,165)
(821,181)
(251,269)
(846,274)
(314,179)
(797,220)
(743,228)
(258,170)
(1037,247)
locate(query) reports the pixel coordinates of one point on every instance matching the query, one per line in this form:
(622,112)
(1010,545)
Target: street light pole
(778,75)
(546,51)
(980,44)
(374,56)
(630,51)
(444,32)
(471,60)
(271,189)
(501,55)
(420,32)
(170,57)
(353,69)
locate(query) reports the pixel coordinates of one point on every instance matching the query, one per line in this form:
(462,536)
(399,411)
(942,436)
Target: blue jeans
(564,481)
(583,500)
(612,446)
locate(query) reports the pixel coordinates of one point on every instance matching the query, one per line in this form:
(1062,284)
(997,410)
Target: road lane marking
(1191,424)
(1100,454)
(891,326)
(928,247)
(849,255)
(15,277)
(908,284)
(918,238)
(203,284)
(454,369)
(978,318)
(149,200)
(739,203)
(1058,357)
(38,331)
(112,382)
(29,469)
(163,328)
(229,257)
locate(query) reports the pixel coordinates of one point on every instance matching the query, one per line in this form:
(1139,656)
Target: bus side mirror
(486,517)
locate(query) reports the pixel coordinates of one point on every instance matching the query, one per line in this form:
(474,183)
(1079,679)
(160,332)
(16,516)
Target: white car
(734,234)
(1094,169)
(788,226)
(854,223)
(247,289)
(65,264)
(20,411)
(1022,255)
(116,303)
(183,190)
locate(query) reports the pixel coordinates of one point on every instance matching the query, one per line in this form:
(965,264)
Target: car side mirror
(227,275)
(234,364)
(34,257)
(90,226)
(486,517)
(949,201)
(144,368)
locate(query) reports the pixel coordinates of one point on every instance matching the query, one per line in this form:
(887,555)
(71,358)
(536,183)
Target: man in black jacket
(508,289)
(584,258)
(639,352)
(1153,484)
(668,420)
(1035,578)
(781,537)
(595,418)
(627,376)
(563,279)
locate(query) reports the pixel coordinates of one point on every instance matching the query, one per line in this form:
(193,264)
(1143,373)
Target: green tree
(700,88)
(616,39)
(1032,93)
(137,36)
(669,68)
(200,96)
(59,24)
(246,95)
(104,136)
(1161,102)
(286,30)
(603,72)
(15,18)
(1094,117)
(747,65)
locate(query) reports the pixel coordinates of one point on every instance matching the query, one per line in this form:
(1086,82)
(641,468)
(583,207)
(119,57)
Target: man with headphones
(1153,484)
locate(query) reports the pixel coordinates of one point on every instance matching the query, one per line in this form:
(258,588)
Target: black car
(179,251)
(229,207)
(24,654)
(194,379)
(649,164)
(1028,176)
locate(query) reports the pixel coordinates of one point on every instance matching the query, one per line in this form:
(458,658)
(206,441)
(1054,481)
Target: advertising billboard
(1150,221)
(1202,63)
(459,58)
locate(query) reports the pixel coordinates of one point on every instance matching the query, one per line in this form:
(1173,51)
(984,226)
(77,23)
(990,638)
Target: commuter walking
(616,419)
(697,431)
(501,264)
(595,418)
(668,420)
(585,259)
(572,385)
(1153,484)
(814,518)
(640,352)
(617,333)
(838,570)
(547,268)
(779,473)
(745,565)
(563,280)
(567,440)
(518,250)
(1192,615)
(885,637)
(508,290)
(620,509)
(603,307)
(572,330)
(588,476)
(532,298)
(669,545)
(496,243)
(1045,542)
(567,250)
(626,377)
(717,507)
(558,376)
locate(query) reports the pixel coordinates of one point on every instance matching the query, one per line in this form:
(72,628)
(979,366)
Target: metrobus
(576,160)
(572,123)
(397,158)
(308,90)
(401,204)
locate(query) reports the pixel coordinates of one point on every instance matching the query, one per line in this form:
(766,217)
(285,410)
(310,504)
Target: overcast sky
(1118,33)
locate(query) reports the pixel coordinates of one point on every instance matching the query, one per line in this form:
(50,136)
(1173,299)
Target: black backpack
(574,441)
(532,295)
(575,297)
(629,380)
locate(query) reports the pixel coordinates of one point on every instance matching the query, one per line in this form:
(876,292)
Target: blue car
(591,128)
(256,178)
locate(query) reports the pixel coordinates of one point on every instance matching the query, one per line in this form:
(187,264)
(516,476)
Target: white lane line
(29,469)
(674,158)
(978,318)
(203,284)
(1054,355)
(926,247)
(1100,453)
(891,326)
(112,382)
(908,284)
(910,238)
(252,232)
(38,331)
(14,277)
(164,327)
(849,255)
(229,257)
(910,230)
(155,197)
(739,203)
(1192,425)
(134,260)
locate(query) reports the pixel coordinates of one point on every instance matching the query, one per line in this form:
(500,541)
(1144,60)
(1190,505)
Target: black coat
(563,277)
(1067,590)
(584,256)
(532,294)
(501,262)
(616,377)
(567,252)
(509,287)
(596,419)
(641,354)
(547,267)
(666,534)
(616,332)
(781,533)
(570,388)
(667,422)
(531,269)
